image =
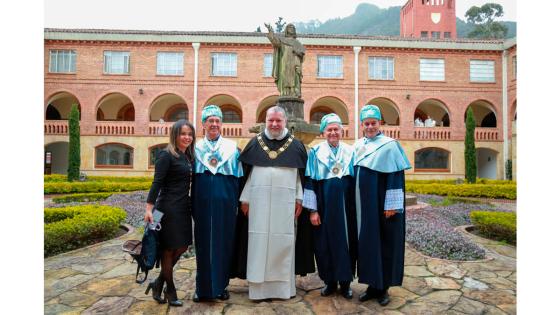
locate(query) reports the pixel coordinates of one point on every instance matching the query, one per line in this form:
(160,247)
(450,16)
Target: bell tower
(429,19)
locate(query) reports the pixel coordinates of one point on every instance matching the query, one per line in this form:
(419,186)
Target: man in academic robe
(379,165)
(271,199)
(215,204)
(329,196)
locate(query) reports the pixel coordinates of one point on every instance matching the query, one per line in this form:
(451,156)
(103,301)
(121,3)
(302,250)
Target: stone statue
(287,61)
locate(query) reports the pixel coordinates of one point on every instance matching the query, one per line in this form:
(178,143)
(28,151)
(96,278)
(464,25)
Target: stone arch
(434,109)
(264,105)
(326,105)
(487,163)
(389,110)
(56,157)
(230,106)
(114,154)
(58,105)
(169,106)
(115,106)
(484,113)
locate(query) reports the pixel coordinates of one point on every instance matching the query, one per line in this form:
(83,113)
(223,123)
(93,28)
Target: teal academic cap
(211,110)
(329,119)
(370,111)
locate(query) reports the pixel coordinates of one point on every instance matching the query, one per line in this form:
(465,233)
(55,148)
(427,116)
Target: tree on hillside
(74,144)
(280,25)
(483,17)
(470,150)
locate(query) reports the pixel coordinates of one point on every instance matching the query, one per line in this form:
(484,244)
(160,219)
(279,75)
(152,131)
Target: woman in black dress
(170,193)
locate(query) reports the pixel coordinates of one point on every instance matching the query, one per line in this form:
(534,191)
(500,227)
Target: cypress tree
(74,144)
(470,150)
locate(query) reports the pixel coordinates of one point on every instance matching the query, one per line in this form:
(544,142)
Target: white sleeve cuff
(394,200)
(309,199)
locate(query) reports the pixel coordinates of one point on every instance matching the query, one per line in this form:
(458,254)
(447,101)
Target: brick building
(131,85)
(429,19)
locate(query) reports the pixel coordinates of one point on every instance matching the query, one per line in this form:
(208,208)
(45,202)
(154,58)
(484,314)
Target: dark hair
(174,133)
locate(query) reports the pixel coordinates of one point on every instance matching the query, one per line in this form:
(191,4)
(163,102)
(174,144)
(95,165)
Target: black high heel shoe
(156,286)
(171,298)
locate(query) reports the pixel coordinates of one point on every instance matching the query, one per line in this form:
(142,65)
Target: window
(424,34)
(318,113)
(62,61)
(116,62)
(177,112)
(381,68)
(514,66)
(231,115)
(224,64)
(329,66)
(435,35)
(154,153)
(113,155)
(446,34)
(267,65)
(432,70)
(482,71)
(431,160)
(170,63)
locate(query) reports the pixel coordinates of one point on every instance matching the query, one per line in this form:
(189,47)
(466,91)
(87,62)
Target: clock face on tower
(436,17)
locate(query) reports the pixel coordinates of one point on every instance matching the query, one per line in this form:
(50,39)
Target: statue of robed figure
(287,61)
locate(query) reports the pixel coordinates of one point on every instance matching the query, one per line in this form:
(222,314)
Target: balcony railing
(159,129)
(486,134)
(230,130)
(56,127)
(119,128)
(432,133)
(391,131)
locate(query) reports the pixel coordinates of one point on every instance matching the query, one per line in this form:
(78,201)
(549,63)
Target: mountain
(369,19)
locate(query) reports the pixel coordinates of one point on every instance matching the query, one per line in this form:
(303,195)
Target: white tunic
(271,193)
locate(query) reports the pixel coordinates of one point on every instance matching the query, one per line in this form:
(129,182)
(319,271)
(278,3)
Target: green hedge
(453,181)
(82,197)
(69,228)
(116,179)
(466,190)
(91,187)
(500,226)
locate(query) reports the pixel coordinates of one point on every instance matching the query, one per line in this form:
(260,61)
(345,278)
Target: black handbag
(146,252)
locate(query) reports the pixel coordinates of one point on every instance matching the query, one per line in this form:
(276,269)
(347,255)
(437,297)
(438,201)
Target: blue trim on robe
(227,156)
(319,163)
(380,153)
(214,211)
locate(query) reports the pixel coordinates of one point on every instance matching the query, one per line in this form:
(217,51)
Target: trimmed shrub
(117,179)
(499,226)
(69,228)
(90,187)
(454,181)
(470,150)
(505,191)
(74,144)
(82,197)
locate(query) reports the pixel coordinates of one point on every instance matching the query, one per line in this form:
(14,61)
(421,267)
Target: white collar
(282,135)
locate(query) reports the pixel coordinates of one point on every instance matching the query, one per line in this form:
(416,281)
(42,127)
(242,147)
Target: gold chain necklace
(274,154)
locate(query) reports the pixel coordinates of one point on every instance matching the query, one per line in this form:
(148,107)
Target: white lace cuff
(309,200)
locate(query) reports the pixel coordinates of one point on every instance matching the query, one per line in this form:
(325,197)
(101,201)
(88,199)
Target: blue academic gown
(379,166)
(335,239)
(215,204)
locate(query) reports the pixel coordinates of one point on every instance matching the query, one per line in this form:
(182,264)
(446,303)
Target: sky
(214,15)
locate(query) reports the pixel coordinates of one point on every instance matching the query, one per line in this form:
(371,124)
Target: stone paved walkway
(100,280)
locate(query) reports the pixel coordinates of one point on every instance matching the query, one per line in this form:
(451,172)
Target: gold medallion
(335,170)
(272,155)
(213,162)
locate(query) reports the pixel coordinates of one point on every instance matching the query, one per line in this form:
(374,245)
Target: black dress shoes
(329,289)
(384,299)
(195,298)
(345,290)
(369,294)
(224,296)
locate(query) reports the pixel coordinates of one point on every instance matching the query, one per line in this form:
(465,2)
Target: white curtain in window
(432,70)
(482,71)
(170,63)
(329,66)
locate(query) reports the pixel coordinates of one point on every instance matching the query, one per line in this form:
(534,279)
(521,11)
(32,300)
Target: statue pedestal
(297,126)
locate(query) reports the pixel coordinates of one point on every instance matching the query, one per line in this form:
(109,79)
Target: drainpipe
(505,111)
(195,46)
(356,100)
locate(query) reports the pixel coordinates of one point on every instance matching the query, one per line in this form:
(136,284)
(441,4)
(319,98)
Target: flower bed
(73,227)
(500,226)
(89,197)
(431,230)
